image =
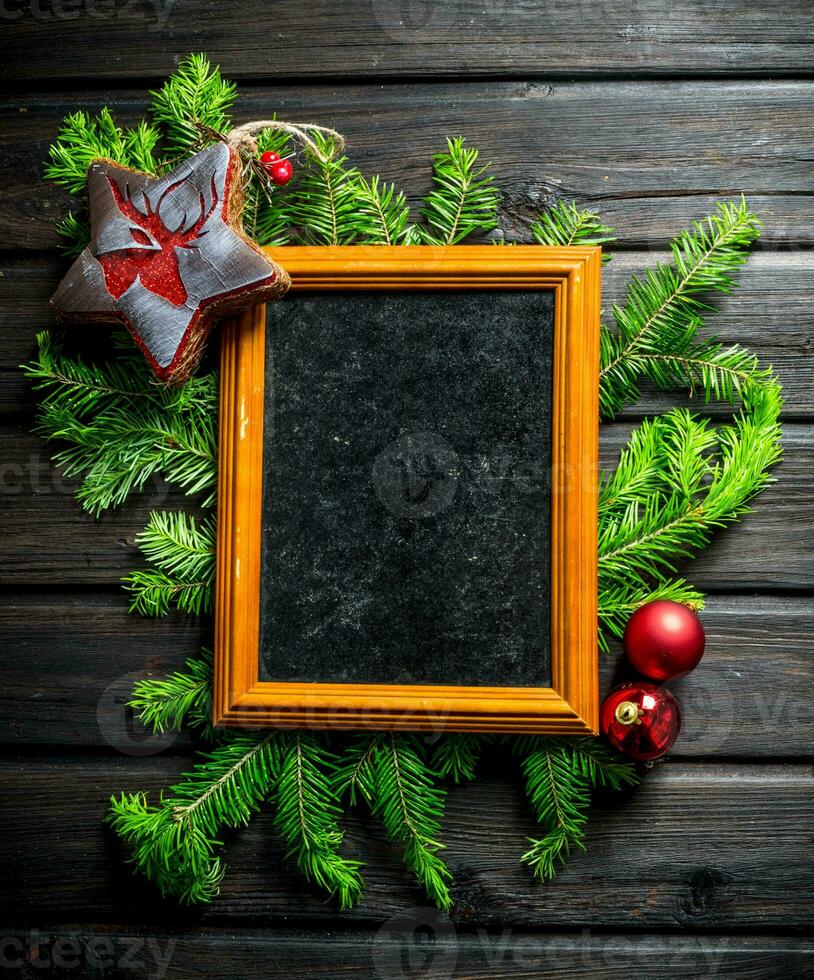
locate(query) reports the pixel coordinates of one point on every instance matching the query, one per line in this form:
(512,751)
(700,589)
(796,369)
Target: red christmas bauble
(641,720)
(663,639)
(281,172)
(268,158)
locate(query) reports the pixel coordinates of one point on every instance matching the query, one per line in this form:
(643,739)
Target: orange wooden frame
(571,704)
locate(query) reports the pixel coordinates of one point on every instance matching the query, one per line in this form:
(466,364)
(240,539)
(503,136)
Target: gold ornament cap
(627,713)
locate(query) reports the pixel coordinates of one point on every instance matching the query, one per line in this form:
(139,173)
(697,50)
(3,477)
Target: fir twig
(307,818)
(655,328)
(175,843)
(183,698)
(194,95)
(410,807)
(183,552)
(565,224)
(464,199)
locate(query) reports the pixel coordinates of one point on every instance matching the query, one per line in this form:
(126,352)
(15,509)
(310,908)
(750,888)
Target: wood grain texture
(48,538)
(387,38)
(621,146)
(771,313)
(69,662)
(443,948)
(698,847)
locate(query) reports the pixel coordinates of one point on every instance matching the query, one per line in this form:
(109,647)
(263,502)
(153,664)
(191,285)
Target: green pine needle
(547,853)
(195,93)
(456,756)
(464,200)
(382,215)
(656,327)
(411,806)
(184,698)
(565,224)
(175,843)
(327,198)
(120,428)
(183,552)
(307,817)
(84,138)
(75,233)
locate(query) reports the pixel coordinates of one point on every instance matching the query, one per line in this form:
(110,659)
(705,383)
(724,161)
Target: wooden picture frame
(571,704)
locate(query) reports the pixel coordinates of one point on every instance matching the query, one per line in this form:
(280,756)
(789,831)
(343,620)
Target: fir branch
(463,201)
(121,428)
(565,224)
(353,773)
(326,200)
(410,807)
(84,138)
(556,789)
(195,93)
(184,555)
(663,312)
(546,853)
(456,756)
(76,234)
(382,215)
(307,818)
(183,698)
(174,843)
(646,540)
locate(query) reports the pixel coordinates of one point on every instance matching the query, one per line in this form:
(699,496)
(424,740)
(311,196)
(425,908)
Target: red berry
(281,172)
(663,639)
(269,157)
(640,719)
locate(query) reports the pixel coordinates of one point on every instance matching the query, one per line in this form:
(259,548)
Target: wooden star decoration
(167,256)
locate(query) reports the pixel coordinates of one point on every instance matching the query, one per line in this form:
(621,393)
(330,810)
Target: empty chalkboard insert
(407,497)
(406,507)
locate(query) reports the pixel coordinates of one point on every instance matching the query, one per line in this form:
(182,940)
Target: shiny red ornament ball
(281,172)
(641,720)
(663,639)
(268,158)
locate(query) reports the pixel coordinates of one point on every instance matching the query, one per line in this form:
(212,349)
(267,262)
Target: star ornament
(167,256)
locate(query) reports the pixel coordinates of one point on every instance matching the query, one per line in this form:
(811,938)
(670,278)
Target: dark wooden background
(646,109)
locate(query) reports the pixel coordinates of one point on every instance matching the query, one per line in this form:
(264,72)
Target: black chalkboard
(406,499)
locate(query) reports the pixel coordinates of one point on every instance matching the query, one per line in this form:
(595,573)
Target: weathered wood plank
(622,146)
(775,290)
(69,663)
(642,37)
(442,948)
(49,540)
(697,847)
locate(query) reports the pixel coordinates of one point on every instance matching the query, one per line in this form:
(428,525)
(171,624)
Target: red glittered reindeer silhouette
(152,259)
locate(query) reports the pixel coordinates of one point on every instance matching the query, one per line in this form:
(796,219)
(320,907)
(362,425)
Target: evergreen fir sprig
(559,775)
(695,493)
(182,699)
(84,138)
(121,429)
(391,773)
(175,843)
(382,215)
(566,224)
(196,94)
(325,205)
(464,200)
(456,756)
(183,552)
(656,327)
(307,817)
